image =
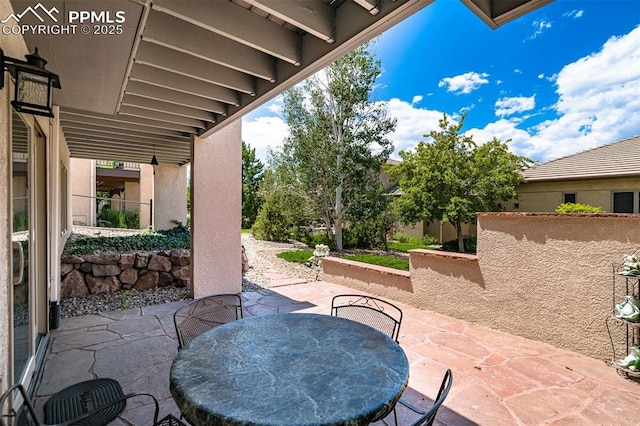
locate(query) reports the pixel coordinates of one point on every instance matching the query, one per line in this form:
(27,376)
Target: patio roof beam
(130,145)
(150,91)
(119,128)
(123,121)
(191,66)
(162,116)
(79,134)
(134,157)
(314,16)
(372,6)
(237,23)
(86,129)
(181,83)
(161,106)
(176,34)
(350,32)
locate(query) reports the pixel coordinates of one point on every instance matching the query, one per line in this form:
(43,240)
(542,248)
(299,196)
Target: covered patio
(499,379)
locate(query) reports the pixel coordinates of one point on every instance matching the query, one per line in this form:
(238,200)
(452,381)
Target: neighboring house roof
(617,159)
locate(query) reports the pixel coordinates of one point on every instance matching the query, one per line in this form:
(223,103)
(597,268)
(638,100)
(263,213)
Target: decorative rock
(65,268)
(142,260)
(129,276)
(127,260)
(164,279)
(102,285)
(105,270)
(180,257)
(85,267)
(73,285)
(71,259)
(159,263)
(181,272)
(103,259)
(147,281)
(183,282)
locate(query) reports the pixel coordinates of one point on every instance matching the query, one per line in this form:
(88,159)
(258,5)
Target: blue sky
(559,80)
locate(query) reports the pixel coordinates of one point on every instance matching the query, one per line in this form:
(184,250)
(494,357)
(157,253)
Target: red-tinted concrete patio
(499,379)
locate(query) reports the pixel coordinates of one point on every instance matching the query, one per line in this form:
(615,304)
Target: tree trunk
(458,227)
(338,221)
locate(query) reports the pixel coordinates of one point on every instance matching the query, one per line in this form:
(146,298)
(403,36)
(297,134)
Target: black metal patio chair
(427,417)
(368,310)
(94,402)
(205,313)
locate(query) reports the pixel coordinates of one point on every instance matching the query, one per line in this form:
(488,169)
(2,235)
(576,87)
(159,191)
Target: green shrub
(109,218)
(312,239)
(131,219)
(297,256)
(400,237)
(375,259)
(577,208)
(470,243)
(429,240)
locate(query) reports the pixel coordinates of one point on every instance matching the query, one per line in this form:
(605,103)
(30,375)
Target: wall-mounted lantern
(34,84)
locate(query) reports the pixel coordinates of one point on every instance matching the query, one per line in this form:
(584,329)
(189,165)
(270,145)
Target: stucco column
(216,198)
(170,196)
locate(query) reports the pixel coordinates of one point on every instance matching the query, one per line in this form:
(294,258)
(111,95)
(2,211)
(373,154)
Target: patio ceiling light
(34,84)
(154,160)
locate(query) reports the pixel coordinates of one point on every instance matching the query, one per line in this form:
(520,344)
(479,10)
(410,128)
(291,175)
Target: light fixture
(34,84)
(154,160)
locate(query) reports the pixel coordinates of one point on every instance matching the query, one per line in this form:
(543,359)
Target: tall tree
(451,178)
(252,176)
(338,137)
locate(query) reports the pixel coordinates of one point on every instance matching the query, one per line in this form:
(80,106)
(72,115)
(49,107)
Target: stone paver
(498,379)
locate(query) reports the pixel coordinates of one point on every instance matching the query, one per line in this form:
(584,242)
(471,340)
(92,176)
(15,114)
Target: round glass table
(289,369)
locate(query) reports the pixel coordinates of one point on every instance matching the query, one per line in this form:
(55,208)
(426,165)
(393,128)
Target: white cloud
(539,27)
(464,83)
(263,133)
(598,103)
(575,14)
(413,124)
(416,99)
(510,106)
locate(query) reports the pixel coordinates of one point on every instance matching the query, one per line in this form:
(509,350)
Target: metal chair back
(428,417)
(94,402)
(368,310)
(205,313)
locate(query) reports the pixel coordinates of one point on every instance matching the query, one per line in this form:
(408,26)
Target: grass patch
(245,231)
(375,259)
(178,237)
(405,247)
(297,256)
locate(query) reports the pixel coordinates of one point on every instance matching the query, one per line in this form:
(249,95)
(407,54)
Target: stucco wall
(216,179)
(170,196)
(546,196)
(546,277)
(365,277)
(83,185)
(146,194)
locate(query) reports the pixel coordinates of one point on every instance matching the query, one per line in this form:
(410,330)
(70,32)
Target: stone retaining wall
(108,273)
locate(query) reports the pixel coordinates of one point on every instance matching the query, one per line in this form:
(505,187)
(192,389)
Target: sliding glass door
(28,244)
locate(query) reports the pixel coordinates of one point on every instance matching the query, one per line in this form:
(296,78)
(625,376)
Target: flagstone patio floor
(498,379)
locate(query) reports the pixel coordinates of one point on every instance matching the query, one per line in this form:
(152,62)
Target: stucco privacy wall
(15,47)
(546,277)
(216,179)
